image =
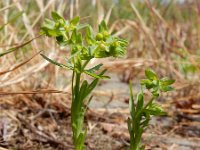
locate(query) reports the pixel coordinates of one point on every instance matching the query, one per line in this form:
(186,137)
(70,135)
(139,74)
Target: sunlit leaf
(150,74)
(75,21)
(166,81)
(56,16)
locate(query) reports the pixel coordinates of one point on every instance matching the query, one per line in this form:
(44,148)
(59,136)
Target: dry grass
(163,37)
(153,36)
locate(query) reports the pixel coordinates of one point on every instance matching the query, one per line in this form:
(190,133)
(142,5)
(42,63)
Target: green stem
(73,75)
(77,112)
(150,101)
(85,64)
(74,112)
(77,108)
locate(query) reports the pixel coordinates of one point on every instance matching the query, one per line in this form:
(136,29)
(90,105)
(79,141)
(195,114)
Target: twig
(42,134)
(1,148)
(41,91)
(19,65)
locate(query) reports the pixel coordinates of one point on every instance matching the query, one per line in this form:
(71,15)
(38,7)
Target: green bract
(140,114)
(83,48)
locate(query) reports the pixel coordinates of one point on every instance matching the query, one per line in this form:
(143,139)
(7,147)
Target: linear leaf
(95,68)
(56,63)
(131,101)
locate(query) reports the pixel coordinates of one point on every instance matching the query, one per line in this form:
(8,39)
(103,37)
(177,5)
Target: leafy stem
(84,46)
(141,114)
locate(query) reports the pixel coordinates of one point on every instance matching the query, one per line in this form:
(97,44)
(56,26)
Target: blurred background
(35,96)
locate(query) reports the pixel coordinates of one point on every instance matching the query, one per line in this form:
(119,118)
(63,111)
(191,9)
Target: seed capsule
(102,46)
(99,37)
(105,33)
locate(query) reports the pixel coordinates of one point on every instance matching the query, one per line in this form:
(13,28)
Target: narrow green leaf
(103,26)
(83,90)
(129,123)
(140,102)
(89,35)
(74,36)
(96,75)
(79,39)
(95,68)
(91,86)
(131,101)
(56,63)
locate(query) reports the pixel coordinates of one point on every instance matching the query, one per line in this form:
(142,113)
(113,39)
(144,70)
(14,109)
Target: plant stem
(77,111)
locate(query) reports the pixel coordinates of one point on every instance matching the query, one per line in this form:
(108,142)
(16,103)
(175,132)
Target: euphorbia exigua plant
(140,113)
(83,48)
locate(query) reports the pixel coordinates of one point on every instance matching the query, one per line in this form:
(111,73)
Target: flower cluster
(101,45)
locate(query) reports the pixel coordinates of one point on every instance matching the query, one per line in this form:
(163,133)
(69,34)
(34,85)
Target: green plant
(84,47)
(140,113)
(185,65)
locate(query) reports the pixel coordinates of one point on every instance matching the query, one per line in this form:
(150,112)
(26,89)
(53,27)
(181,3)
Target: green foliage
(68,33)
(156,85)
(83,49)
(141,114)
(184,64)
